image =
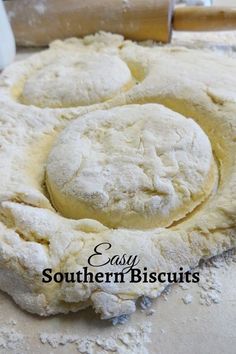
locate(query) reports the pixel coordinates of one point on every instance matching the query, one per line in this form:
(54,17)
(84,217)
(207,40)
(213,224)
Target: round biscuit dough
(77,80)
(137,166)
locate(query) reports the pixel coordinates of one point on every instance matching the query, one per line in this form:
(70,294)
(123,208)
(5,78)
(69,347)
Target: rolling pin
(38,22)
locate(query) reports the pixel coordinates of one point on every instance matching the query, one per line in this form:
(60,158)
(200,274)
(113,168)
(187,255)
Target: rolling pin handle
(197,18)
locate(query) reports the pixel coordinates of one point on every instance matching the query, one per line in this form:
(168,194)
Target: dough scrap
(137,166)
(33,236)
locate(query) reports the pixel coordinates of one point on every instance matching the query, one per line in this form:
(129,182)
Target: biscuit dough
(33,236)
(77,80)
(138,166)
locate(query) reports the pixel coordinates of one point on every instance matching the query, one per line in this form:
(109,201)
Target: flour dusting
(210,286)
(40,8)
(10,338)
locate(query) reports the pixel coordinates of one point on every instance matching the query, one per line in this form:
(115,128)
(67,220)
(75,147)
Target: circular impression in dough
(136,166)
(77,80)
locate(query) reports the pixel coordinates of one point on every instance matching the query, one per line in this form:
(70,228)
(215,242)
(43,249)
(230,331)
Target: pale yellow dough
(201,86)
(137,166)
(77,79)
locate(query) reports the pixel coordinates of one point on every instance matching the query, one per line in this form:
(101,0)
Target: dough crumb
(120,320)
(10,339)
(131,341)
(187,299)
(145,302)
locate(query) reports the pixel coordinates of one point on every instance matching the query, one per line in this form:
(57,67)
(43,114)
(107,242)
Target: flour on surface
(210,286)
(10,339)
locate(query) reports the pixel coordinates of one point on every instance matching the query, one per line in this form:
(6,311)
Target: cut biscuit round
(78,80)
(136,166)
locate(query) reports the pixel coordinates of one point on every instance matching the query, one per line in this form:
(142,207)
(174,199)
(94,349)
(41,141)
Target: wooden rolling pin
(38,22)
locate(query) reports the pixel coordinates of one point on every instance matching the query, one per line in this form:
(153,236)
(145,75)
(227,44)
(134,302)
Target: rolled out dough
(34,236)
